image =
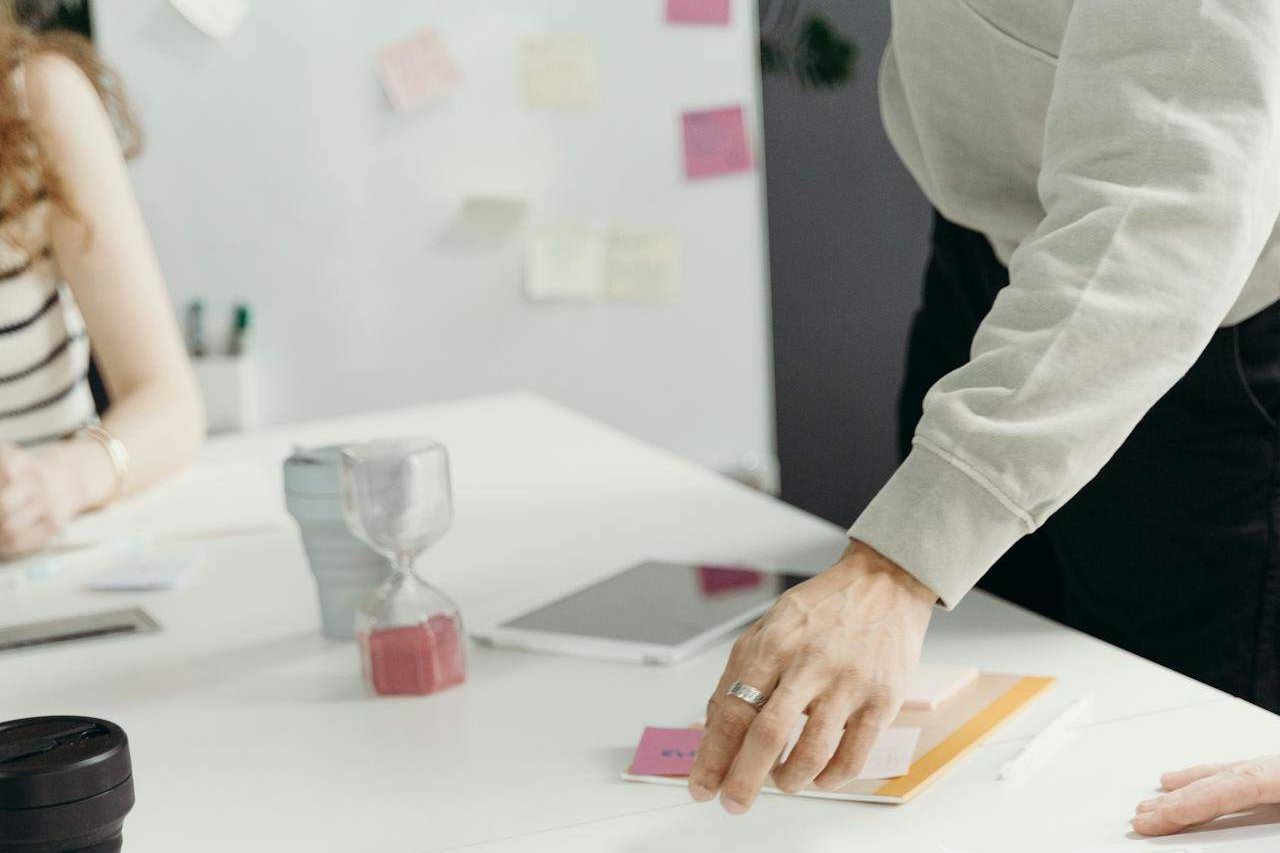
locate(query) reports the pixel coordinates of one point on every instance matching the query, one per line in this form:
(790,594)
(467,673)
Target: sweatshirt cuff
(940,524)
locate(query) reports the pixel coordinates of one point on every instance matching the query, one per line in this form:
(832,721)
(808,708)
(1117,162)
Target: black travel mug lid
(48,761)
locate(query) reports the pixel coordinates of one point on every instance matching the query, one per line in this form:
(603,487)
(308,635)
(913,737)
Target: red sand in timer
(415,659)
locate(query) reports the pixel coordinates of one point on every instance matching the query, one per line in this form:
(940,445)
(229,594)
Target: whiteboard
(276,171)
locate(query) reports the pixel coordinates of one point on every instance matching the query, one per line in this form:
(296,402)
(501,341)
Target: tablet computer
(653,612)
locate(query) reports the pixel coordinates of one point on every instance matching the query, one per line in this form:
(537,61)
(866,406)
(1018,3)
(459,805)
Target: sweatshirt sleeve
(1160,187)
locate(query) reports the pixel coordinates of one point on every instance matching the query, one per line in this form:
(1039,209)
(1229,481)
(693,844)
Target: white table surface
(251,732)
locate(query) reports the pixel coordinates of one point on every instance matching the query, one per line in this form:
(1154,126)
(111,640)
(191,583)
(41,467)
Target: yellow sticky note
(564,263)
(642,265)
(560,71)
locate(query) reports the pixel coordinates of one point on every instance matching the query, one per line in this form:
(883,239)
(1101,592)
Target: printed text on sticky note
(698,11)
(560,71)
(715,142)
(666,752)
(416,71)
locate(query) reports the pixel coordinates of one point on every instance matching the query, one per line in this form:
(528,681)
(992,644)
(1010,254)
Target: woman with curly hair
(79,286)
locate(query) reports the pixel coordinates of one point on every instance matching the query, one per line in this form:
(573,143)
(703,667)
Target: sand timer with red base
(397,499)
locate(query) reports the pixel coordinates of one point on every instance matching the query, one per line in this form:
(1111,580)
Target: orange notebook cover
(948,733)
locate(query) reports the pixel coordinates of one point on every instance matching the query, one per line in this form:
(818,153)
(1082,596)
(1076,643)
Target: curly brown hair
(26,177)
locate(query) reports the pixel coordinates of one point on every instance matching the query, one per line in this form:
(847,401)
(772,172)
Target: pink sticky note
(933,685)
(717,580)
(416,72)
(715,143)
(698,11)
(666,752)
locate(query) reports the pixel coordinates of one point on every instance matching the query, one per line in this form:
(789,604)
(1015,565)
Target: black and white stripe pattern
(44,349)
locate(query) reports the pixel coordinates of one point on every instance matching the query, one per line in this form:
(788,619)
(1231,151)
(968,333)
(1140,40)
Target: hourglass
(396,498)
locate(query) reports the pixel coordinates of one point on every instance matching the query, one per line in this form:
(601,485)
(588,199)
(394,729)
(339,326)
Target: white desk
(250,732)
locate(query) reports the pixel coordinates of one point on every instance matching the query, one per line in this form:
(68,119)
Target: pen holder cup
(346,570)
(228,385)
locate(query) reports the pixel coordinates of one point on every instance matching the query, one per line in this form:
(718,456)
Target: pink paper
(718,580)
(715,142)
(698,11)
(416,72)
(666,752)
(933,685)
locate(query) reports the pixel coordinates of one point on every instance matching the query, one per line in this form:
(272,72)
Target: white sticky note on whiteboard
(560,71)
(218,19)
(642,266)
(564,263)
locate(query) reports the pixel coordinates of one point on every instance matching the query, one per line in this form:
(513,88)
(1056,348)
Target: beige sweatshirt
(1123,157)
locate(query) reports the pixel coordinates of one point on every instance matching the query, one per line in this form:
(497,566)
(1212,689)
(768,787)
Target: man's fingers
(725,733)
(860,734)
(812,752)
(1197,802)
(1176,779)
(764,742)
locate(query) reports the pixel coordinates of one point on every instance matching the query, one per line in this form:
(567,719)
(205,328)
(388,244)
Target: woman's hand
(839,648)
(1200,794)
(39,494)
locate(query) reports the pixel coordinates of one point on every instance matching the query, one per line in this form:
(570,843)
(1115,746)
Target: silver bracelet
(116,450)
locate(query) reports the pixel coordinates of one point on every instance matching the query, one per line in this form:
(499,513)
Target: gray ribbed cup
(346,570)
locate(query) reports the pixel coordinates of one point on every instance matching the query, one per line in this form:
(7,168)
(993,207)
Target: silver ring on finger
(753,697)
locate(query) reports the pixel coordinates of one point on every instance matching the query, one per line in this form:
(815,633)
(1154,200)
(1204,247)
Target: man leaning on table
(1117,165)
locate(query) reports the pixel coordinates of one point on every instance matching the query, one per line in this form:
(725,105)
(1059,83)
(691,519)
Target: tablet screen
(659,603)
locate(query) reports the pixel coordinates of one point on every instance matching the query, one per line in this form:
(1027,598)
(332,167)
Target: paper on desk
(564,262)
(207,499)
(698,11)
(416,71)
(933,684)
(218,19)
(143,573)
(889,758)
(671,752)
(666,752)
(641,265)
(560,71)
(715,142)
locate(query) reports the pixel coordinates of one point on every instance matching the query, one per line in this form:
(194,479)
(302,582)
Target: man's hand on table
(838,647)
(1200,794)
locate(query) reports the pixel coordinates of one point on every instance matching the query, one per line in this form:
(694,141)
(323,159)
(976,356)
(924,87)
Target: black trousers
(1173,550)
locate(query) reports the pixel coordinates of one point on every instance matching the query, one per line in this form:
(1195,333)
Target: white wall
(277,172)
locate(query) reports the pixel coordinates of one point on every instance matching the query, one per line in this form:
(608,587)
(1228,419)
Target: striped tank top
(44,349)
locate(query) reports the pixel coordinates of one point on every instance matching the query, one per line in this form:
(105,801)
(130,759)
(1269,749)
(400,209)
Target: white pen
(1047,738)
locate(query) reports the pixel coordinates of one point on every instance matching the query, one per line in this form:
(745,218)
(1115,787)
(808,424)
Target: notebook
(947,734)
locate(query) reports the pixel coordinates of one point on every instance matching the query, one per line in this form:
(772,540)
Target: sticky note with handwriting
(698,11)
(564,263)
(666,752)
(416,71)
(218,19)
(715,142)
(642,265)
(560,71)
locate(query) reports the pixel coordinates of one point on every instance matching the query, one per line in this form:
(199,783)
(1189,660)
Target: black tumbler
(66,784)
